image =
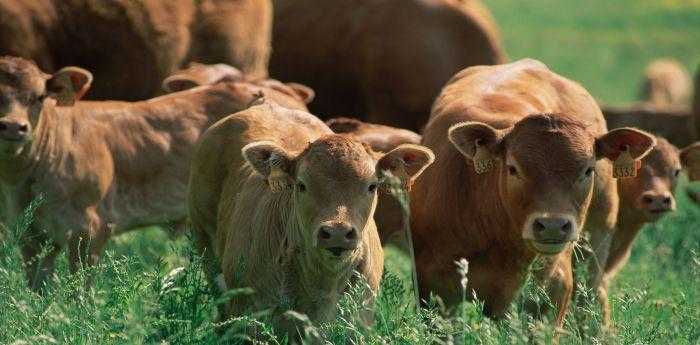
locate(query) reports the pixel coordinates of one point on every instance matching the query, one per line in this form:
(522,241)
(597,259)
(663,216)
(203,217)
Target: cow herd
(514,162)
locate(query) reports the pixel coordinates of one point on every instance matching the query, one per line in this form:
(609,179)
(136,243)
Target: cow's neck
(629,224)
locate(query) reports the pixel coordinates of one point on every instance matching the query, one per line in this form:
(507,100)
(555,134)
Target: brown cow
(104,167)
(390,214)
(537,141)
(643,200)
(666,84)
(385,60)
(281,204)
(132,45)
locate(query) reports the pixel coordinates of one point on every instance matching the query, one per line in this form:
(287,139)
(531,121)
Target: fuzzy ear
(465,136)
(303,92)
(68,85)
(406,162)
(178,82)
(271,161)
(690,158)
(638,143)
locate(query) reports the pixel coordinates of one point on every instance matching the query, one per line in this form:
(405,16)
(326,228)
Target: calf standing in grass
(520,171)
(643,200)
(104,167)
(280,203)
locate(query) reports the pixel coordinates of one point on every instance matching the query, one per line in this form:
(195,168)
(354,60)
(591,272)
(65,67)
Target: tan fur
(348,60)
(104,167)
(131,45)
(266,238)
(666,84)
(552,132)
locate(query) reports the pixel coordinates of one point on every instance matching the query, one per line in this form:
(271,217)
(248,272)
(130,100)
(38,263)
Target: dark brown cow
(538,142)
(643,200)
(281,204)
(104,167)
(132,45)
(385,60)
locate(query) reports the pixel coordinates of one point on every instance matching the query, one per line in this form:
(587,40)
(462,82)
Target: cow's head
(545,166)
(334,184)
(196,74)
(651,192)
(23,90)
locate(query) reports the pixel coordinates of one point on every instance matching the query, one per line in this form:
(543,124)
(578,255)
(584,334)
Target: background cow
(387,74)
(518,150)
(104,167)
(666,84)
(132,45)
(281,204)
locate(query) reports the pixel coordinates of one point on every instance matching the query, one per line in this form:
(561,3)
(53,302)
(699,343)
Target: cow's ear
(406,162)
(638,143)
(68,85)
(271,161)
(343,124)
(468,137)
(178,82)
(302,92)
(690,158)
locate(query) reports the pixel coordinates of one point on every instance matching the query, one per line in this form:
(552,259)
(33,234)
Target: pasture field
(149,287)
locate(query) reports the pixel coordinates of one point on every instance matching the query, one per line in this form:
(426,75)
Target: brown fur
(666,84)
(388,74)
(104,167)
(551,133)
(132,45)
(263,182)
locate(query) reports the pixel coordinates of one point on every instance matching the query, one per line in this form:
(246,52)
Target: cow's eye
(301,187)
(372,187)
(512,171)
(676,172)
(589,171)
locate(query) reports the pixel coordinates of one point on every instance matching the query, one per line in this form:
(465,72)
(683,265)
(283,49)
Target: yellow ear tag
(625,166)
(483,161)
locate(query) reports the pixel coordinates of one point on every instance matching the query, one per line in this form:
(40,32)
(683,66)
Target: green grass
(149,288)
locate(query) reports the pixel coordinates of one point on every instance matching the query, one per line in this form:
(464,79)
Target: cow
(132,45)
(103,167)
(666,84)
(197,74)
(387,74)
(644,199)
(690,157)
(281,204)
(523,167)
(391,216)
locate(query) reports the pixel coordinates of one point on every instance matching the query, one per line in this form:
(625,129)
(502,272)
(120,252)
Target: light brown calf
(383,59)
(666,84)
(103,167)
(643,200)
(520,172)
(281,204)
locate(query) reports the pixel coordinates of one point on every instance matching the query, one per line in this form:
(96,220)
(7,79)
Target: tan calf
(666,84)
(520,172)
(103,167)
(281,204)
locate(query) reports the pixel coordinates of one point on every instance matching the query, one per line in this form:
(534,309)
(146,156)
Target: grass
(149,288)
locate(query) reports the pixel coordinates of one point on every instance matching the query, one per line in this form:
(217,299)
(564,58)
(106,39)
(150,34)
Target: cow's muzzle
(550,234)
(337,238)
(656,204)
(14,131)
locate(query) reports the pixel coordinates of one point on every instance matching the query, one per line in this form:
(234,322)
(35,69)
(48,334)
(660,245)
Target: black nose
(552,228)
(657,202)
(337,237)
(13,130)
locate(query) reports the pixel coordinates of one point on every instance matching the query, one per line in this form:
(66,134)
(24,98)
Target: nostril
(667,200)
(538,226)
(3,126)
(23,128)
(567,226)
(324,234)
(647,199)
(351,235)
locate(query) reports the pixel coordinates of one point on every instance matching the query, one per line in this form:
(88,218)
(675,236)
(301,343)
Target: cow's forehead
(21,75)
(336,157)
(551,143)
(664,156)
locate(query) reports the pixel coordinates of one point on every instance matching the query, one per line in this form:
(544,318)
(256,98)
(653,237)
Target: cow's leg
(39,255)
(85,247)
(556,277)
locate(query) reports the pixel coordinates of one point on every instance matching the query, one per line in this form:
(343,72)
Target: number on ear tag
(483,161)
(625,166)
